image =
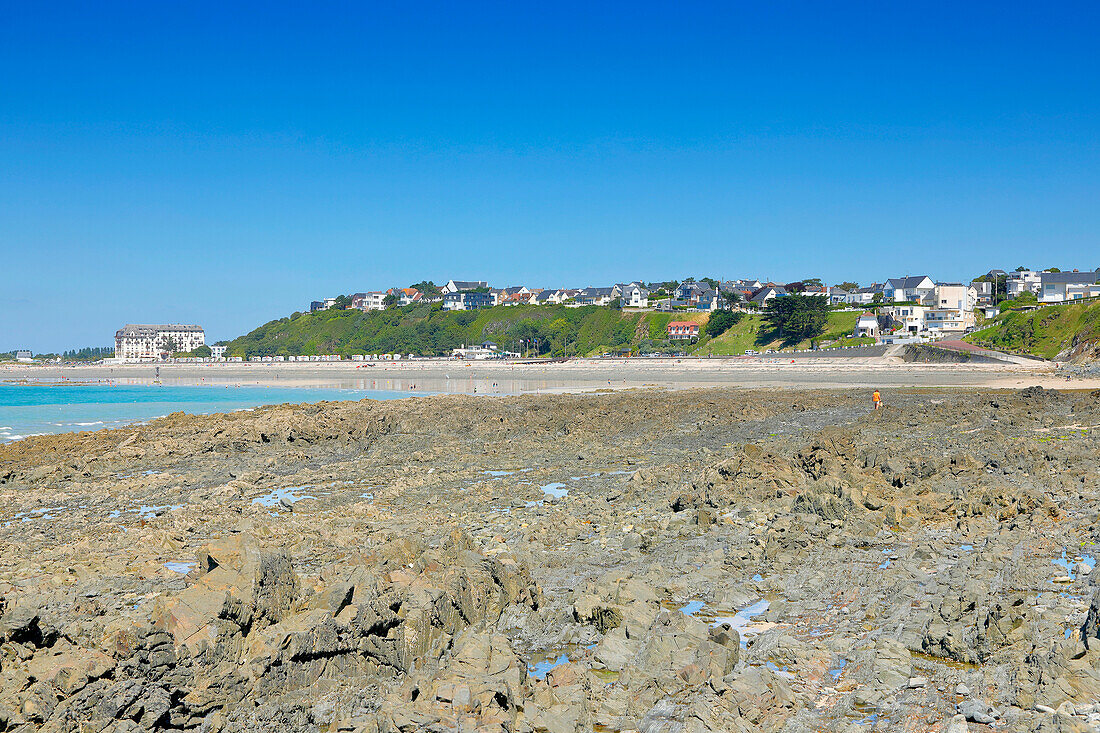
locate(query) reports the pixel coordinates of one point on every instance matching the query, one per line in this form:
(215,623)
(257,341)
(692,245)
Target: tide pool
(27,410)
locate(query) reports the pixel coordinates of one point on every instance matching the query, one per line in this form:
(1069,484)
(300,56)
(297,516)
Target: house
(217,351)
(767,293)
(690,291)
(595,296)
(947,319)
(321,305)
(510,296)
(486,350)
(372,301)
(908,289)
(838,296)
(984,290)
(682,331)
(1024,281)
(528,297)
(457,286)
(634,295)
(564,295)
(542,297)
(1058,287)
(406,296)
(23,355)
(865,296)
(819,291)
(465,300)
(709,300)
(952,308)
(954,295)
(909,318)
(866,326)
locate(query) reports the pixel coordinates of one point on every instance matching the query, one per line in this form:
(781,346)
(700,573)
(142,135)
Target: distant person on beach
(876,399)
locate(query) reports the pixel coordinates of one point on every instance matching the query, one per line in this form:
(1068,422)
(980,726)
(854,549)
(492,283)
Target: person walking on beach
(876,399)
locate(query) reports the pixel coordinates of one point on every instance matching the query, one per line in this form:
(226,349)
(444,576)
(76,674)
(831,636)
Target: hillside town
(896,310)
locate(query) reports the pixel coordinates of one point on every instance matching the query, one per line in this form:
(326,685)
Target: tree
(722,321)
(1052,269)
(813,282)
(849,286)
(342,303)
(797,317)
(169,346)
(389,300)
(1021,268)
(710,281)
(428,288)
(202,351)
(732,298)
(877,297)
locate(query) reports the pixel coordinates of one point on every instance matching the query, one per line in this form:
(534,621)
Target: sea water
(27,410)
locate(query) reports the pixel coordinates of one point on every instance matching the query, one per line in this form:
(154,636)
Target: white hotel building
(145,342)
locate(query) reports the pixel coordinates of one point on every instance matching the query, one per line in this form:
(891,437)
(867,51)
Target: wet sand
(579,375)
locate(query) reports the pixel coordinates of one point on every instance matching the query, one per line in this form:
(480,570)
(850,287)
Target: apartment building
(145,342)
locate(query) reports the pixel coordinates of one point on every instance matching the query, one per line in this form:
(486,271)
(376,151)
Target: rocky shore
(698,560)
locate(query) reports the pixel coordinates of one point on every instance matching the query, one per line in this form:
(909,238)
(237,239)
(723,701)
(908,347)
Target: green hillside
(428,330)
(1054,331)
(752,333)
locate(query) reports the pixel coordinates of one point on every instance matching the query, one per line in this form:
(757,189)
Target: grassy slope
(428,330)
(751,333)
(1046,332)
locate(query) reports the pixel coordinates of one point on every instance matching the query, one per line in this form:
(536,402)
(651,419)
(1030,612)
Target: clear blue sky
(225,164)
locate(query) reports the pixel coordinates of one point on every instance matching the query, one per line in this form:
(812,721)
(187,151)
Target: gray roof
(1072,278)
(596,292)
(150,329)
(470,284)
(906,282)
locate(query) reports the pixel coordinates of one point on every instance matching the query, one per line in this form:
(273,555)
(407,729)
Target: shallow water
(27,410)
(277,495)
(538,670)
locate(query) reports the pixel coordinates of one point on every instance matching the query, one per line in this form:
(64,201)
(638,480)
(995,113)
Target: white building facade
(1023,281)
(147,342)
(1058,287)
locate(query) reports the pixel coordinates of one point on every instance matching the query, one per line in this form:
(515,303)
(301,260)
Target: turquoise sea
(27,410)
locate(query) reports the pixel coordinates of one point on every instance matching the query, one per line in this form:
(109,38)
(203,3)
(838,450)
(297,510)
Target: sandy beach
(577,375)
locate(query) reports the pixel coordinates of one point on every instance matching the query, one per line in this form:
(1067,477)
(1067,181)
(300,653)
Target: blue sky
(226,163)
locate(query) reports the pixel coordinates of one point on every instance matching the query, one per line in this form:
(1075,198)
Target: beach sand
(578,375)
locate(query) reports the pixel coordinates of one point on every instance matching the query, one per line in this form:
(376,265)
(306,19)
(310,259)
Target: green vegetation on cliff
(1065,331)
(428,330)
(754,332)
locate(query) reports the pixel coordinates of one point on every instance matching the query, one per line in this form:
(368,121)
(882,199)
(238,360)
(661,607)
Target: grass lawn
(1045,332)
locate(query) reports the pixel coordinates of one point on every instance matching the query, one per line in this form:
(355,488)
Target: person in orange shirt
(876,399)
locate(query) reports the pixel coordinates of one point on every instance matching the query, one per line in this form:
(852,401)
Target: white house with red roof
(682,330)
